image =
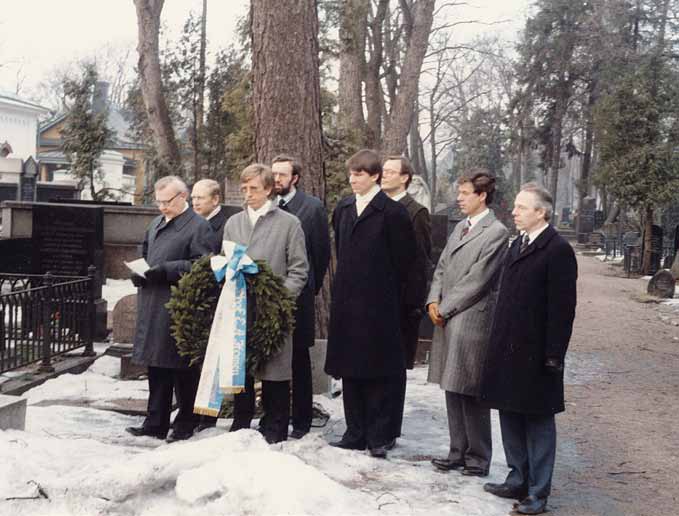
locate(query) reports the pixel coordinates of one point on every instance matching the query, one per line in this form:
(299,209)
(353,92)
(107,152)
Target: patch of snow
(88,465)
(114,290)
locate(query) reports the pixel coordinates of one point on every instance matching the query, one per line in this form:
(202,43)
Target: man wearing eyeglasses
(172,242)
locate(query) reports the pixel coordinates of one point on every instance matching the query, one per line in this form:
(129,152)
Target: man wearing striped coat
(460,304)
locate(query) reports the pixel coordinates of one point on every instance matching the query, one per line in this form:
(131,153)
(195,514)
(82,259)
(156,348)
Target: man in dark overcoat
(311,213)
(206,199)
(523,375)
(375,247)
(396,177)
(172,241)
(460,305)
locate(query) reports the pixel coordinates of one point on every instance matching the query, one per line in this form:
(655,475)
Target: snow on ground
(80,461)
(114,290)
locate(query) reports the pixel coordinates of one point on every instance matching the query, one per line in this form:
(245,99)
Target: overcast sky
(38,35)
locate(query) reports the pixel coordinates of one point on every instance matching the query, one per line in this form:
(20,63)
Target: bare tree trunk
(200,104)
(374,97)
(352,49)
(583,186)
(401,113)
(148,23)
(648,234)
(286,96)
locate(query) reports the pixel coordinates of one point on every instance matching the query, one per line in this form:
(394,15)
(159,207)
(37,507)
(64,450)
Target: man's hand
(435,315)
(156,274)
(137,280)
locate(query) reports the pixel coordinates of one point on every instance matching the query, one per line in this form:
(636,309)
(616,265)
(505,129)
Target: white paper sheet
(138,266)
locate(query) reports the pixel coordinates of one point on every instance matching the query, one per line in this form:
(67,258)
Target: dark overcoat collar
(540,242)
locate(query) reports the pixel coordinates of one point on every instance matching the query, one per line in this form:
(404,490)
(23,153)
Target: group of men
(502,314)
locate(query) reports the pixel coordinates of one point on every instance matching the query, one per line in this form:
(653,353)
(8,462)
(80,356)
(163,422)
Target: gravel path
(618,450)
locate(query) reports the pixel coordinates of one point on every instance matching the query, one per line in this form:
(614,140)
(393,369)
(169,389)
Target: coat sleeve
(562,273)
(297,264)
(336,215)
(201,244)
(436,282)
(472,287)
(401,241)
(422,229)
(321,245)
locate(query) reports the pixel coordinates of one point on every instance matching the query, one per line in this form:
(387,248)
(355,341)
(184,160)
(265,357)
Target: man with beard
(311,213)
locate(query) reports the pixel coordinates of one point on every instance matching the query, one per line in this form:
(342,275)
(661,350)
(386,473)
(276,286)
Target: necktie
(466,229)
(282,205)
(524,243)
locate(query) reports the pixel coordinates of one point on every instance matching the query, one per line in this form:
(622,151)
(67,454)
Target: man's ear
(295,179)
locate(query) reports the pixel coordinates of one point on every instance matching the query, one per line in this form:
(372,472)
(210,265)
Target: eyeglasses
(166,203)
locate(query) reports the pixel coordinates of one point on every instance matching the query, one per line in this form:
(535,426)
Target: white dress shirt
(535,233)
(399,196)
(363,200)
(472,221)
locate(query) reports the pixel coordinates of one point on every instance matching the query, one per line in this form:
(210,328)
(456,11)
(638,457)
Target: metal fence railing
(42,316)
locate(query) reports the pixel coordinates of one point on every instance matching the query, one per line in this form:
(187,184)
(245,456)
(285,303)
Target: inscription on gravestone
(28,180)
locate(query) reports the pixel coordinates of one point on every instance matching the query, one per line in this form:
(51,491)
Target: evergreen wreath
(270,314)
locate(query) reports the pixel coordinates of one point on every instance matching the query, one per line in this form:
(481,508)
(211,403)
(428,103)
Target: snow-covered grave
(73,459)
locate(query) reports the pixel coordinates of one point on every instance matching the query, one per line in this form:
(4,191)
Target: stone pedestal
(321,381)
(12,412)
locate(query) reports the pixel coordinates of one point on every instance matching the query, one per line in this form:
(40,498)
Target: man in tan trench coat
(460,304)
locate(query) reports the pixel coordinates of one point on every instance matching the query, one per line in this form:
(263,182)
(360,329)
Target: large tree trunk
(583,185)
(286,96)
(648,239)
(352,36)
(374,96)
(200,104)
(402,110)
(148,23)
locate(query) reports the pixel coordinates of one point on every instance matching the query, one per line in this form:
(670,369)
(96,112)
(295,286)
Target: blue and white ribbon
(224,364)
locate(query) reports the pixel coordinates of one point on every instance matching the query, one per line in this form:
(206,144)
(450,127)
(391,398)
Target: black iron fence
(42,316)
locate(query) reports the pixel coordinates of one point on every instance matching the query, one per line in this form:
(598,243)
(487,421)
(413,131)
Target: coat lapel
(540,242)
(477,230)
(374,206)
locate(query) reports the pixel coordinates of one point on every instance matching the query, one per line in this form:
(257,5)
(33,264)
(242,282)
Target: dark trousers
(162,382)
(397,398)
(530,448)
(469,427)
(367,410)
(275,404)
(302,388)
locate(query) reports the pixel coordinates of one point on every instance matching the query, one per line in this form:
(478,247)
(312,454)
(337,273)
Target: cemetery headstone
(598,219)
(125,319)
(565,215)
(662,284)
(28,180)
(656,248)
(586,219)
(16,255)
(66,241)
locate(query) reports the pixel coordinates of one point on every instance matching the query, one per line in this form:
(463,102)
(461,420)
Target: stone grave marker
(28,180)
(125,319)
(66,241)
(16,255)
(662,284)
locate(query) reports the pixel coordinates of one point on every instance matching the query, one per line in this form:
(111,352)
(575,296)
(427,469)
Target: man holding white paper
(172,241)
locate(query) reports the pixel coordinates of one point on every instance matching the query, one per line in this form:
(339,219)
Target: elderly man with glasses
(173,240)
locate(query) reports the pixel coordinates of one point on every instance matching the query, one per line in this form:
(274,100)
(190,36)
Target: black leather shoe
(532,505)
(346,444)
(474,472)
(390,445)
(297,434)
(141,431)
(379,452)
(447,464)
(177,435)
(505,491)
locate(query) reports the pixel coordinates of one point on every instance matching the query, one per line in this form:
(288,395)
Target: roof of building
(12,100)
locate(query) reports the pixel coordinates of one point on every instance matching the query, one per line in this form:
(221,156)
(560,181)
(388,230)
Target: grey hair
(543,199)
(166,181)
(212,186)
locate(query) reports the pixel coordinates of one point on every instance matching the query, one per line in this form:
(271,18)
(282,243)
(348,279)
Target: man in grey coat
(172,241)
(460,304)
(272,235)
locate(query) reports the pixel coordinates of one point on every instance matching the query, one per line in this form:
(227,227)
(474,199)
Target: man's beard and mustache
(284,191)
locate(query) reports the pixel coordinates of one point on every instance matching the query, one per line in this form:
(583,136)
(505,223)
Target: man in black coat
(205,200)
(523,375)
(172,241)
(311,213)
(396,177)
(375,246)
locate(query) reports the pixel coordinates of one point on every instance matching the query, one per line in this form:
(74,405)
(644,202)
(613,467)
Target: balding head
(205,196)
